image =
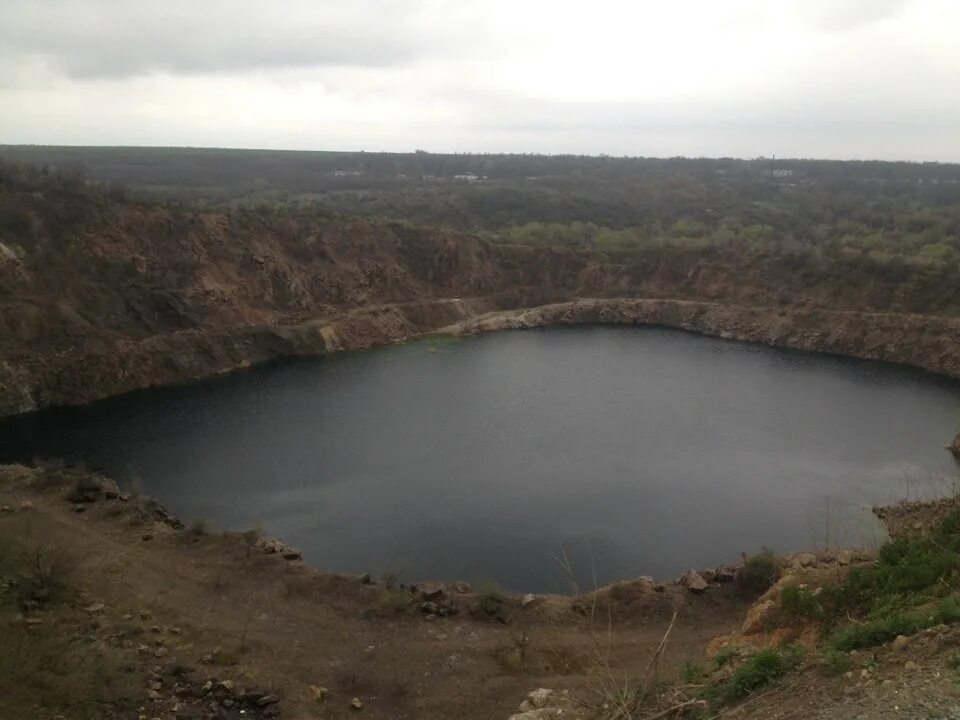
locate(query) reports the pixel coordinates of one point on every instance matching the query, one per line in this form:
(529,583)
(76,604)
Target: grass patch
(799,603)
(883,630)
(757,671)
(391,601)
(836,662)
(908,588)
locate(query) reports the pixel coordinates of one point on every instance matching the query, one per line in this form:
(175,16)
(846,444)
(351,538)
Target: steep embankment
(928,342)
(98,298)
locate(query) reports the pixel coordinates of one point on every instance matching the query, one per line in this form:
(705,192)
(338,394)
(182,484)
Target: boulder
(693,581)
(804,560)
(955,447)
(462,587)
(291,554)
(430,591)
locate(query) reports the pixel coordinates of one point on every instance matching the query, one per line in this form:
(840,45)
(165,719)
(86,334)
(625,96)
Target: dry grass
(41,668)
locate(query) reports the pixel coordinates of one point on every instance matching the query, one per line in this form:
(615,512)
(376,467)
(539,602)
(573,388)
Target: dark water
(649,450)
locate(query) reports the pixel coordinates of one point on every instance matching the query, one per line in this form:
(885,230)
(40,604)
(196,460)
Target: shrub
(200,527)
(757,671)
(44,567)
(799,603)
(875,632)
(693,673)
(883,630)
(759,572)
(836,662)
(727,655)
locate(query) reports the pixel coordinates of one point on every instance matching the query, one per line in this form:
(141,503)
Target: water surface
(641,451)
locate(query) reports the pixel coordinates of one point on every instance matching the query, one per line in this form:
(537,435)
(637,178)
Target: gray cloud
(119,38)
(837,78)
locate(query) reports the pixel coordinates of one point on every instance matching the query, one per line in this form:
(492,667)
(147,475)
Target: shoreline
(926,342)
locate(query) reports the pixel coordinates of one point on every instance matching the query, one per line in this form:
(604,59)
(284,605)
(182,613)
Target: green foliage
(727,655)
(884,629)
(757,671)
(953,660)
(693,673)
(799,603)
(760,572)
(875,632)
(836,662)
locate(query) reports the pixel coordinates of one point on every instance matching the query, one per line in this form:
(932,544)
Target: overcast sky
(801,78)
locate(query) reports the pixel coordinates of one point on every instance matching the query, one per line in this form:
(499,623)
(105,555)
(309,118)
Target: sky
(744,78)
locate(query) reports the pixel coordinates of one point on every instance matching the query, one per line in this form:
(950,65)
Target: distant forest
(886,213)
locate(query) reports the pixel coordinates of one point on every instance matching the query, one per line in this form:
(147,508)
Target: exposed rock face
(929,342)
(955,447)
(136,296)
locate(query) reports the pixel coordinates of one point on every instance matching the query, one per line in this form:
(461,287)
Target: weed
(799,603)
(727,655)
(693,673)
(759,572)
(953,660)
(200,527)
(757,671)
(44,568)
(883,630)
(390,579)
(836,662)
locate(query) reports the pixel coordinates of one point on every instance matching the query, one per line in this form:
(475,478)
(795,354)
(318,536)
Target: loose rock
(693,581)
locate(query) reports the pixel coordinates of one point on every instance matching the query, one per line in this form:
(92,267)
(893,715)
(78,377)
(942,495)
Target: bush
(883,630)
(875,632)
(799,603)
(44,568)
(836,662)
(727,655)
(757,671)
(759,572)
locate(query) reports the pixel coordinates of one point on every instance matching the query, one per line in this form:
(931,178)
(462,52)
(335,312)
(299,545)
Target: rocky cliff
(102,298)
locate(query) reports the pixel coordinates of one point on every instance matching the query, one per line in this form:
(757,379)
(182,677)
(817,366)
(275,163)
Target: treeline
(885,213)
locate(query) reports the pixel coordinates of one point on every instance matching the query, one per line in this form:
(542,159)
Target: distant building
(467,177)
(346,173)
(782,173)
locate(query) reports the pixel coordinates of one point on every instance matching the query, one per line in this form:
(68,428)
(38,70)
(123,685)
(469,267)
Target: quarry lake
(640,451)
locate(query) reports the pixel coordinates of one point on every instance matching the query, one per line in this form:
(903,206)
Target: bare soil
(146,606)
